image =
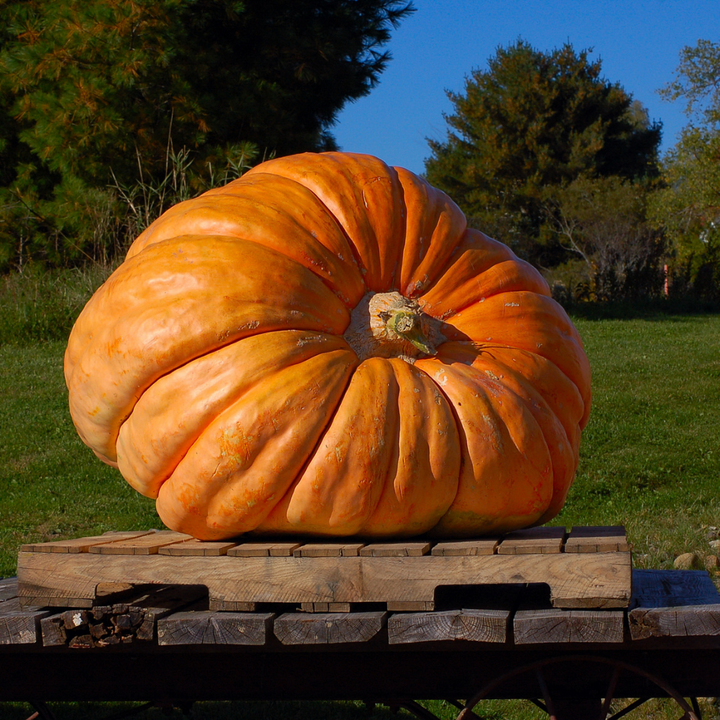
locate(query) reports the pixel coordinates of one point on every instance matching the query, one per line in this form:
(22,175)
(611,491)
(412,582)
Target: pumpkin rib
(501,486)
(245,460)
(274,212)
(527,321)
(422,481)
(177,408)
(363,194)
(561,446)
(558,390)
(474,255)
(434,225)
(201,317)
(340,485)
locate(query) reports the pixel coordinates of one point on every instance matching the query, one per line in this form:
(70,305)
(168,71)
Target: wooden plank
(674,603)
(20,626)
(54,601)
(672,588)
(325,607)
(597,539)
(328,550)
(195,547)
(410,605)
(144,545)
(539,540)
(328,628)
(79,545)
(483,546)
(567,626)
(220,605)
(473,625)
(214,628)
(578,580)
(163,602)
(683,621)
(8,589)
(396,549)
(266,549)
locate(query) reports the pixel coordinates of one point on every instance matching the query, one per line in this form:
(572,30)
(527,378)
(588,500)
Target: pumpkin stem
(408,326)
(390,325)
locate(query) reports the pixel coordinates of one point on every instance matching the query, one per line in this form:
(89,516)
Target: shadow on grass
(643,309)
(231,710)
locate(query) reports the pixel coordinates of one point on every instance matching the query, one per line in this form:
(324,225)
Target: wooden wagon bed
(168,637)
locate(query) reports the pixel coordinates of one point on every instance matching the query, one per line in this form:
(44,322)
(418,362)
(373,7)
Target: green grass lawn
(650,460)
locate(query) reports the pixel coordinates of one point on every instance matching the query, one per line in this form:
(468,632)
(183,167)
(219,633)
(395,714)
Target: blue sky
(638,41)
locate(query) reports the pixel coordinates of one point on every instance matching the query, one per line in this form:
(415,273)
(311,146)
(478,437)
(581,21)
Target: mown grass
(650,458)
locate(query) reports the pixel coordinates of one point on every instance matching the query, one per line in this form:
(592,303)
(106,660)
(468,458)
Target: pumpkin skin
(323,347)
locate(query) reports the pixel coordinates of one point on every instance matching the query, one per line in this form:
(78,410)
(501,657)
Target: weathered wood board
(328,628)
(668,606)
(18,625)
(568,626)
(682,603)
(325,576)
(473,625)
(215,628)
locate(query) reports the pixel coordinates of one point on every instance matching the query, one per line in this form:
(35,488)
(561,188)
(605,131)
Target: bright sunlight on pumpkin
(323,347)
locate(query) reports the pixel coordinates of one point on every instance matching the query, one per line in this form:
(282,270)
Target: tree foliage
(100,92)
(689,204)
(604,222)
(530,124)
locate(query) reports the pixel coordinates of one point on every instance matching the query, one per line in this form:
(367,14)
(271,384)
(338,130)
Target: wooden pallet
(587,568)
(667,606)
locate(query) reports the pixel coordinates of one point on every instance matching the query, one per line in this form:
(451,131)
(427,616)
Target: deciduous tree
(532,122)
(688,207)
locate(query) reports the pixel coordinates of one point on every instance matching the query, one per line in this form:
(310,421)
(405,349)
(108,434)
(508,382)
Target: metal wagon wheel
(563,708)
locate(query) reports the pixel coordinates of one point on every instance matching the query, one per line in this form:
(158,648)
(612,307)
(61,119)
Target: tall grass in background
(40,305)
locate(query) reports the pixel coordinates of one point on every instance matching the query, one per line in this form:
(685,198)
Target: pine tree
(104,92)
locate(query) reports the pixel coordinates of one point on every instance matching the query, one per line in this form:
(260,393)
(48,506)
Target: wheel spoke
(539,704)
(610,694)
(629,708)
(550,710)
(696,707)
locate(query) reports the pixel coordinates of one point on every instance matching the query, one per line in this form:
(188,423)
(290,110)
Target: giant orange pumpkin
(324,347)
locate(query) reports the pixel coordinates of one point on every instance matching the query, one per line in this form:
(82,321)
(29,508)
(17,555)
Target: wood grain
(214,628)
(684,621)
(328,550)
(267,549)
(8,589)
(79,545)
(567,626)
(19,626)
(575,579)
(201,548)
(144,545)
(485,546)
(597,539)
(472,625)
(327,628)
(396,549)
(540,540)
